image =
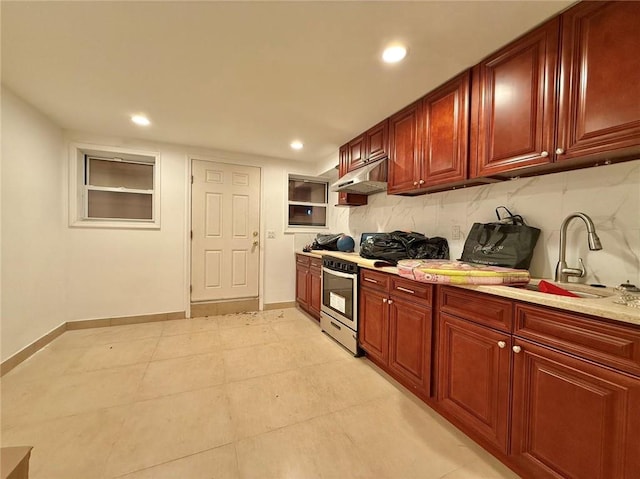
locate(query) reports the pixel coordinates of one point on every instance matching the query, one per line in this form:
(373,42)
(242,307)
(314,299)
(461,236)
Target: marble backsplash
(610,195)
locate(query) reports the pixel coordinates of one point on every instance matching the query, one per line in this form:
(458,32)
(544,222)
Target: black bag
(392,247)
(327,242)
(509,242)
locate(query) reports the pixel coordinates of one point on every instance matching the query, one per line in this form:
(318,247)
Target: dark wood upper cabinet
(370,146)
(404,150)
(599,107)
(429,140)
(377,141)
(514,110)
(445,133)
(348,199)
(356,153)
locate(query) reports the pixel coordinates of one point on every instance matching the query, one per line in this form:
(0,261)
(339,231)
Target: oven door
(340,296)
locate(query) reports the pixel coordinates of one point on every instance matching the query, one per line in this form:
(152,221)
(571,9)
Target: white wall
(34,252)
(610,195)
(53,273)
(279,263)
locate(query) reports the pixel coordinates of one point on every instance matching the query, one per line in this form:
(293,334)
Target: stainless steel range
(339,310)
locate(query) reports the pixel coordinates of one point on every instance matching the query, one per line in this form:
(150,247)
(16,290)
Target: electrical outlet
(271,235)
(455,232)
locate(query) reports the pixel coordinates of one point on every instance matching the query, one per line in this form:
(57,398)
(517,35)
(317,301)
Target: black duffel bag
(509,242)
(326,242)
(397,245)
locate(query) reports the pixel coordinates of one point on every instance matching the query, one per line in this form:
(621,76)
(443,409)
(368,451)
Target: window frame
(79,189)
(289,228)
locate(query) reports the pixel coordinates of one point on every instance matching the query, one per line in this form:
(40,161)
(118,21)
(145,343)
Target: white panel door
(225,220)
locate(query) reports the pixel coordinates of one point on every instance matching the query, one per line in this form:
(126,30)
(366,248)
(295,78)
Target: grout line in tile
(175,459)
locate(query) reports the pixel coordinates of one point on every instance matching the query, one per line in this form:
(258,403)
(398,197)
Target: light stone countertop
(599,307)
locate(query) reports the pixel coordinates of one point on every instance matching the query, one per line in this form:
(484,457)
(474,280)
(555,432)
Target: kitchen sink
(578,292)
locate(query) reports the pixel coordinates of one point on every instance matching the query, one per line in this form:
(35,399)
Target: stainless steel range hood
(370,179)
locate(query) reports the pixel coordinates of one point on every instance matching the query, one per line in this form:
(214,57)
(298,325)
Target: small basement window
(307,203)
(116,188)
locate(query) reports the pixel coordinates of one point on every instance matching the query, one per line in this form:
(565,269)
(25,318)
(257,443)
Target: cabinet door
(373,327)
(348,199)
(410,343)
(599,112)
(356,153)
(301,285)
(445,149)
(404,161)
(516,104)
(377,141)
(473,378)
(315,292)
(573,418)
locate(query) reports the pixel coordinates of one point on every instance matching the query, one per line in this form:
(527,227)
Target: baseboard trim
(123,320)
(216,308)
(286,304)
(29,350)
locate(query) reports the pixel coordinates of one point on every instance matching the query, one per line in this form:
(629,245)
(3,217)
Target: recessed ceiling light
(296,145)
(394,53)
(140,120)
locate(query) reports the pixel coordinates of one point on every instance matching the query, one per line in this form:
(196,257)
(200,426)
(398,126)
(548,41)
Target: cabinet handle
(371,280)
(421,182)
(384,300)
(335,325)
(415,183)
(400,288)
(517,349)
(391,301)
(501,344)
(544,154)
(559,151)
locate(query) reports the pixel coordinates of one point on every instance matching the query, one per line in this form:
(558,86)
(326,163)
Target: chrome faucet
(562,270)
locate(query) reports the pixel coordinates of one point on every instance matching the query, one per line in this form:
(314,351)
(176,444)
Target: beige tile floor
(259,395)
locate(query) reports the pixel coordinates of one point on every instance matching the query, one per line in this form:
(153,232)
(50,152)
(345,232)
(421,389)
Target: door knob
(255,233)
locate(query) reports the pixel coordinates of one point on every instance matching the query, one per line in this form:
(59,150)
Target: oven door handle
(340,274)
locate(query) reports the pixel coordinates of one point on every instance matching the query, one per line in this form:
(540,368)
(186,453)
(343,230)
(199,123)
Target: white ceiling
(244,76)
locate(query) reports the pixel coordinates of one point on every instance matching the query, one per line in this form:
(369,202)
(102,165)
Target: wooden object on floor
(14,462)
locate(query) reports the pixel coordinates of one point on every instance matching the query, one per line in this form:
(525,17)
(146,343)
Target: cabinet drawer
(478,307)
(374,280)
(412,290)
(315,264)
(303,259)
(614,345)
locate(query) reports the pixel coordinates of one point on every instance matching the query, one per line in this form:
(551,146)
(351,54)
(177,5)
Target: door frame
(188,225)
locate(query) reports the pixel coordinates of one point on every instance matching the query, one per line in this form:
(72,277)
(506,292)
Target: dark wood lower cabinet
(395,328)
(551,393)
(315,288)
(302,295)
(410,343)
(473,386)
(373,330)
(309,284)
(573,418)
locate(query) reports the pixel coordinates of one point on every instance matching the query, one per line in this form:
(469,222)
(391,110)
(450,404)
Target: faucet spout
(562,270)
